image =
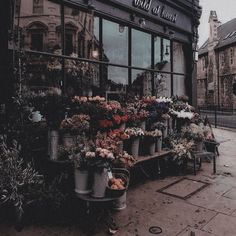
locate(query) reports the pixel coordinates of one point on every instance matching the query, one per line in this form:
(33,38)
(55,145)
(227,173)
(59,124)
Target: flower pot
(53,144)
(143,125)
(135,146)
(69,140)
(159,144)
(100,181)
(199,146)
(82,183)
(122,126)
(120,203)
(151,148)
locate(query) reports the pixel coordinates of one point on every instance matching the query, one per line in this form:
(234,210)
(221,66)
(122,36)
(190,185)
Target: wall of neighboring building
(202,80)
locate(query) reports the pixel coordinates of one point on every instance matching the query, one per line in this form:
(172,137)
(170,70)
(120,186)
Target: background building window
(222,58)
(68,44)
(38,6)
(37,41)
(231,56)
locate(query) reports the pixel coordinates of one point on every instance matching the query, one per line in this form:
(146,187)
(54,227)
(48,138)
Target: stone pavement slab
(222,225)
(184,187)
(197,232)
(212,198)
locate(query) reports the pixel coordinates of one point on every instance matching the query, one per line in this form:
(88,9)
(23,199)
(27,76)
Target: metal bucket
(158,144)
(53,144)
(100,181)
(135,147)
(120,203)
(82,183)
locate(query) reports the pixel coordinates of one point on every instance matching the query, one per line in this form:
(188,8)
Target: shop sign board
(156,9)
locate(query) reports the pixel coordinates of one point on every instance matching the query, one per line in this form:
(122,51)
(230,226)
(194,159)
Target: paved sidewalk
(211,211)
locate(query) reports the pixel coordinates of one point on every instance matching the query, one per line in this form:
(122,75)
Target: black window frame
(100,62)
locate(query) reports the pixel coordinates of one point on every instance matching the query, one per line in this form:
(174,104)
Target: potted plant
(196,133)
(18,180)
(153,141)
(181,153)
(72,127)
(134,134)
(100,164)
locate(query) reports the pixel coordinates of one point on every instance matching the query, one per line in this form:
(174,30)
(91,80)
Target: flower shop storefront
(104,48)
(99,88)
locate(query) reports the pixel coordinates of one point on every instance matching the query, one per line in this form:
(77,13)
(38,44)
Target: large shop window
(83,38)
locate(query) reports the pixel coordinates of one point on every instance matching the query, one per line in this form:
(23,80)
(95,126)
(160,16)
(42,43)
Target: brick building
(216,68)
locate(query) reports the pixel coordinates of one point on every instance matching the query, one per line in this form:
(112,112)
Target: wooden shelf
(158,155)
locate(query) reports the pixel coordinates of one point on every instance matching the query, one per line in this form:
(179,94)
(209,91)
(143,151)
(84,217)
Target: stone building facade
(216,68)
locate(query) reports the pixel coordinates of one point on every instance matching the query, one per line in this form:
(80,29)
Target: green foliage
(17,179)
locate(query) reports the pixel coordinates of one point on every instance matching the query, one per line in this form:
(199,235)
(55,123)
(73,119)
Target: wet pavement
(209,211)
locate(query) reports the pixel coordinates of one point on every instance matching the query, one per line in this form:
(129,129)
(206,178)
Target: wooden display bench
(154,160)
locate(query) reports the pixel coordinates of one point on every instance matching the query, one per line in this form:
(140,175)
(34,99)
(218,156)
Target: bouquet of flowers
(124,159)
(134,132)
(164,100)
(193,132)
(118,135)
(152,135)
(182,114)
(76,124)
(181,150)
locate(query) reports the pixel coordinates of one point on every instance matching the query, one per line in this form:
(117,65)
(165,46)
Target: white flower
(164,99)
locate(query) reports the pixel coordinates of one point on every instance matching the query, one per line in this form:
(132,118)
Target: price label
(110,175)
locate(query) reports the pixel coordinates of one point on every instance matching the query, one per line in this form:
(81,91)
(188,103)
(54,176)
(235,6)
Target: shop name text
(161,11)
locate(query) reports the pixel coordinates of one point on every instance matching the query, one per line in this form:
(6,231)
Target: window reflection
(157,50)
(41,71)
(38,31)
(179,86)
(141,83)
(179,61)
(115,42)
(82,78)
(162,85)
(141,49)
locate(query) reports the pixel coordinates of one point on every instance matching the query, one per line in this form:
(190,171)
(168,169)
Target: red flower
(105,123)
(117,119)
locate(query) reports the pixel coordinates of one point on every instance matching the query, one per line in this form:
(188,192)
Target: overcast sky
(225,9)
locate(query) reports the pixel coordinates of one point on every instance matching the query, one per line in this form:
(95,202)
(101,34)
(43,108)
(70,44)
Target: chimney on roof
(214,23)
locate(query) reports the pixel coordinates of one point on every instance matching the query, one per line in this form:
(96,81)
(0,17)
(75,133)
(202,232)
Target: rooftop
(226,34)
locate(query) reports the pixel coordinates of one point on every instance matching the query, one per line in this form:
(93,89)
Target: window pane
(179,85)
(116,83)
(162,84)
(179,63)
(141,83)
(39,25)
(115,42)
(82,78)
(141,49)
(157,50)
(41,72)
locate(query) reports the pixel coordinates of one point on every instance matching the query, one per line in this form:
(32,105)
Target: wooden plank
(158,155)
